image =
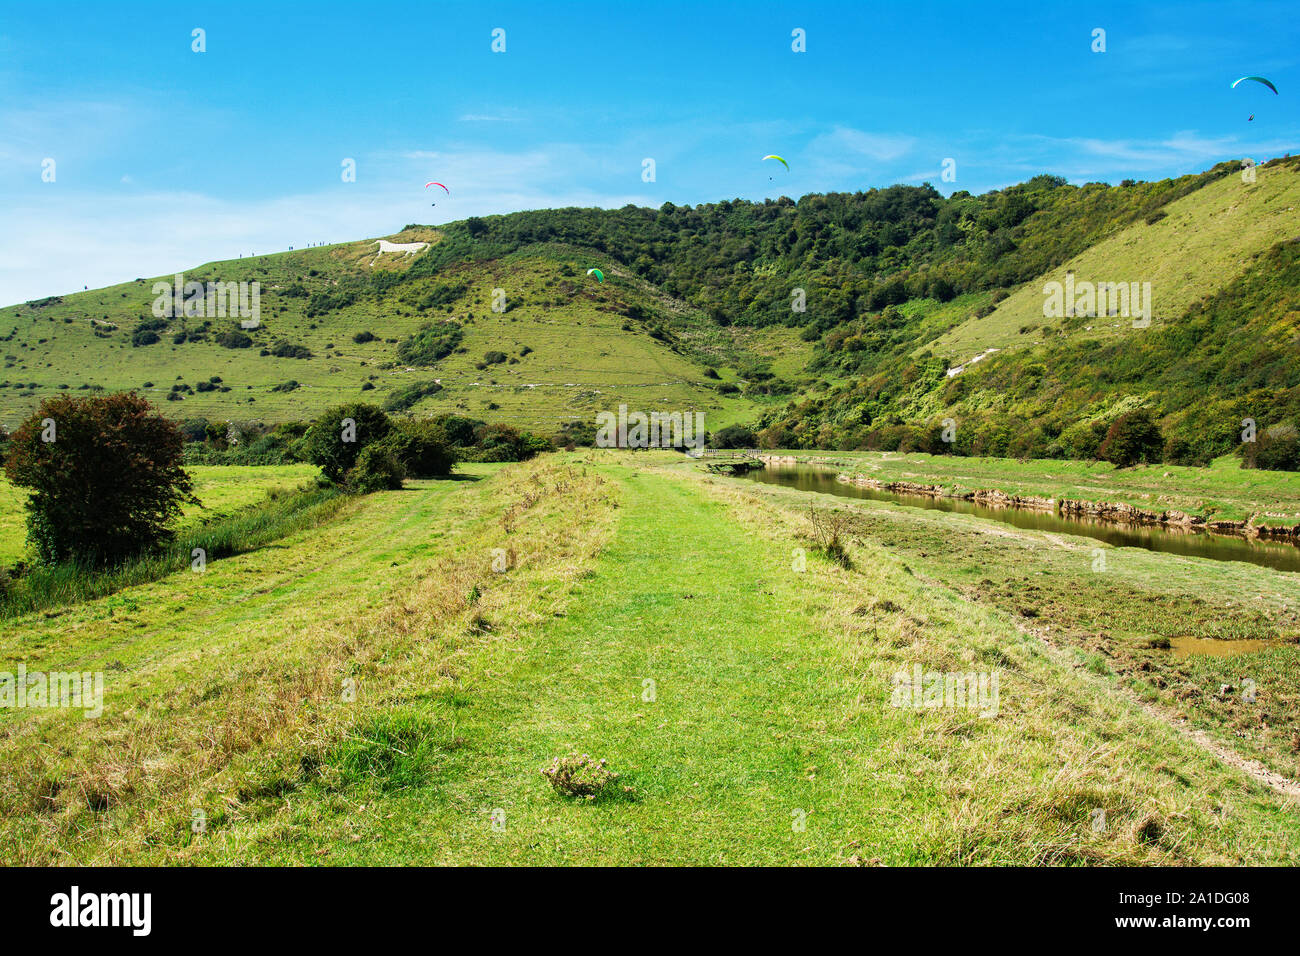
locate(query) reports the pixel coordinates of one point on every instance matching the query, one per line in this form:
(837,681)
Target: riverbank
(1223,499)
(1115,512)
(1211,646)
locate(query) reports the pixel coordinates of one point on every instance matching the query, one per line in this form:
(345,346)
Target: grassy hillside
(899,285)
(373,692)
(572,346)
(1200,245)
(1223,346)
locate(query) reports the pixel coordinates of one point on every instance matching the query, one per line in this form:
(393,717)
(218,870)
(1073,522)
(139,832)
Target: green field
(374,691)
(220,489)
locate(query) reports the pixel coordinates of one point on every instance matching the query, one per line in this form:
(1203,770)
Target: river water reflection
(1272,554)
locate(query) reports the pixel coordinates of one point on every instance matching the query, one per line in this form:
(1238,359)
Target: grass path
(740,740)
(768,737)
(193,666)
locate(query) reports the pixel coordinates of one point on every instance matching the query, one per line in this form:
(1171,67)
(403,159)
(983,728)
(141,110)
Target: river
(1201,544)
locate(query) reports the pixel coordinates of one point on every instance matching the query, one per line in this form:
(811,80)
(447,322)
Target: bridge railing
(730,453)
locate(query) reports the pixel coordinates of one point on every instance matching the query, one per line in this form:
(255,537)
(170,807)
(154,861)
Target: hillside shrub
(1132,438)
(405,397)
(107,485)
(734,436)
(377,469)
(430,344)
(422,448)
(233,340)
(289,350)
(339,435)
(1277,448)
(499,442)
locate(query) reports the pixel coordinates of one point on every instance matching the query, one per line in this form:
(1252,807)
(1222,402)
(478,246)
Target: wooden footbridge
(731,461)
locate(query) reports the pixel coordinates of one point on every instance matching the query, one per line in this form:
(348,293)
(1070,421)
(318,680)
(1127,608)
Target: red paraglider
(444,188)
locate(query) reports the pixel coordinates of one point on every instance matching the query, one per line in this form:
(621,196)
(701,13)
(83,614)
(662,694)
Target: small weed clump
(828,529)
(577,775)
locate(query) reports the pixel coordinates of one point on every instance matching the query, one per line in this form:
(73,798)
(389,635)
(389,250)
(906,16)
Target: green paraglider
(600,276)
(777,158)
(1257,79)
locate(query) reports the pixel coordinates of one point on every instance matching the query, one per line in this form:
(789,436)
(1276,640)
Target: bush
(431,343)
(377,469)
(289,350)
(506,443)
(460,430)
(1277,449)
(334,446)
(576,433)
(108,484)
(408,395)
(1082,440)
(422,448)
(735,436)
(195,429)
(1133,437)
(361,338)
(233,340)
(577,775)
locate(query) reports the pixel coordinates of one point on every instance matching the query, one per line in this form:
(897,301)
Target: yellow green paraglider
(777,158)
(600,276)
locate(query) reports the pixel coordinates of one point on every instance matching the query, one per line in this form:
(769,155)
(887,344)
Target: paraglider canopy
(444,188)
(600,276)
(1257,79)
(777,158)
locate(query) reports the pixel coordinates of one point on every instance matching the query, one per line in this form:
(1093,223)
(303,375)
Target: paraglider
(1257,79)
(778,159)
(600,276)
(444,188)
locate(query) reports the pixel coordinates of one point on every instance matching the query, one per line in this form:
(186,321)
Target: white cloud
(60,241)
(487,118)
(848,143)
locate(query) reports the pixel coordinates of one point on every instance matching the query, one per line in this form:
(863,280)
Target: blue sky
(166,158)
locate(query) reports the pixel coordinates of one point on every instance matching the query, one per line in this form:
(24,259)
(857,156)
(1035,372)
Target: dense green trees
(734,436)
(1278,449)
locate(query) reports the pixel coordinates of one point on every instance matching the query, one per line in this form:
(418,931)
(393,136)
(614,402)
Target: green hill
(334,326)
(1201,243)
(701,311)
